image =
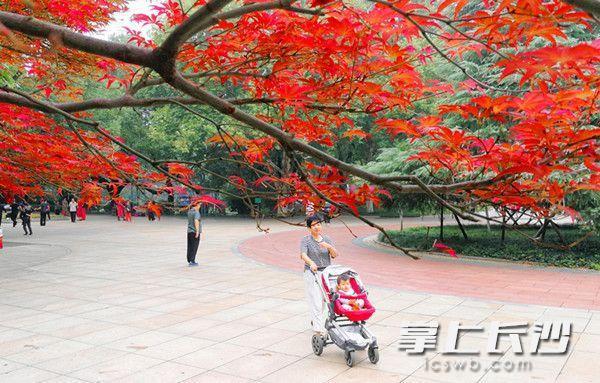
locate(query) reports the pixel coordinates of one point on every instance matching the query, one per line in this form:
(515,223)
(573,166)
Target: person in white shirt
(73,209)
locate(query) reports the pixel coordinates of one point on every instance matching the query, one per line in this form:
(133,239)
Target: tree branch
(32,27)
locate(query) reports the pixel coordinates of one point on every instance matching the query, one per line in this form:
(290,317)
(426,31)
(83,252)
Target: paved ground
(489,280)
(106,301)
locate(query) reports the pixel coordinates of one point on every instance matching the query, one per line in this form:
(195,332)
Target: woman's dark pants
(192,247)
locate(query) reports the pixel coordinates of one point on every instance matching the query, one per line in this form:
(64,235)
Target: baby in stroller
(348,310)
(345,289)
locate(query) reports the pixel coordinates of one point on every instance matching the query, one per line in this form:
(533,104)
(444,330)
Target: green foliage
(516,247)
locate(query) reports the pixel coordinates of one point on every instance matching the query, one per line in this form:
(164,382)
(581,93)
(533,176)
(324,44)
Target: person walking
(194,228)
(44,211)
(120,210)
(14,212)
(73,210)
(316,251)
(128,208)
(26,211)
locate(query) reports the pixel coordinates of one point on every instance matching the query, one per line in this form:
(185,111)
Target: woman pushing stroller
(339,307)
(316,250)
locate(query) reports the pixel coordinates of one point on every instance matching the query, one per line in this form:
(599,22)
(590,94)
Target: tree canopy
(278,83)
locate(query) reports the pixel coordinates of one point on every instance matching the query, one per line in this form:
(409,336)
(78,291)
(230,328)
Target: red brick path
(511,283)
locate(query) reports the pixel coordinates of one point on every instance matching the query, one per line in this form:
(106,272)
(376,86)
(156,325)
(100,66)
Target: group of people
(124,210)
(23,210)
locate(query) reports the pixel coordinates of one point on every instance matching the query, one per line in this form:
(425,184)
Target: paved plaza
(101,301)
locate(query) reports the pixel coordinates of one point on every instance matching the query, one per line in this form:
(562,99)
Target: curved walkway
(488,280)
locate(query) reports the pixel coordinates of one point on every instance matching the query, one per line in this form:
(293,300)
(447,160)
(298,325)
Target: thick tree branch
(35,28)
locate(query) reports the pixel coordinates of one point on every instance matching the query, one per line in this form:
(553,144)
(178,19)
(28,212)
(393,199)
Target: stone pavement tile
(84,308)
(444,300)
(306,371)
(563,311)
(295,323)
(157,321)
(472,314)
(402,318)
(214,356)
(47,352)
(593,326)
(148,302)
(472,302)
(581,367)
(264,318)
(69,327)
(214,377)
(8,366)
(115,368)
(31,320)
(231,314)
(393,360)
(362,375)
(108,335)
(225,331)
(81,359)
(175,348)
(298,345)
(190,326)
(141,341)
(26,374)
(264,304)
(587,343)
(11,334)
(532,311)
(426,308)
(258,364)
(63,304)
(167,372)
(394,303)
(64,379)
(28,343)
(293,307)
(262,337)
(174,305)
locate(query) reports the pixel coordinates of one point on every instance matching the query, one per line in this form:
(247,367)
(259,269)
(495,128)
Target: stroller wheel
(373,353)
(317,344)
(349,356)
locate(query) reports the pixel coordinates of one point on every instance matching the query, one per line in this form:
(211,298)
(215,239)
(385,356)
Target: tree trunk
(441,222)
(460,226)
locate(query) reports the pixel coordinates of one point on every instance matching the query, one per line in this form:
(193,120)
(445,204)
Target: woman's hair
(312,219)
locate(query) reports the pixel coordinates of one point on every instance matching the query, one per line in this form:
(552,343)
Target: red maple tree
(311,68)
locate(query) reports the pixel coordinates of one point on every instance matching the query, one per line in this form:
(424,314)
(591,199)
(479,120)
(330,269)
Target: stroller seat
(354,315)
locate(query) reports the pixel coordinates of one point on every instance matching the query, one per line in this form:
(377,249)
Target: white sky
(123,19)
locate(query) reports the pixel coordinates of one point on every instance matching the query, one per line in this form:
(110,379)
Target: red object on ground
(1,239)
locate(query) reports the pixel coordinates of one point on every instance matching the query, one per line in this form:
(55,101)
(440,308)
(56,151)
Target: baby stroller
(345,328)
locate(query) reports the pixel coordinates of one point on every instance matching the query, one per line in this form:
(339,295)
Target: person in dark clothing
(26,218)
(44,211)
(14,212)
(193,233)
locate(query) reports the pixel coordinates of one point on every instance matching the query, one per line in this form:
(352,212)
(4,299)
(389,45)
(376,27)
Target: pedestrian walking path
(107,301)
(503,281)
